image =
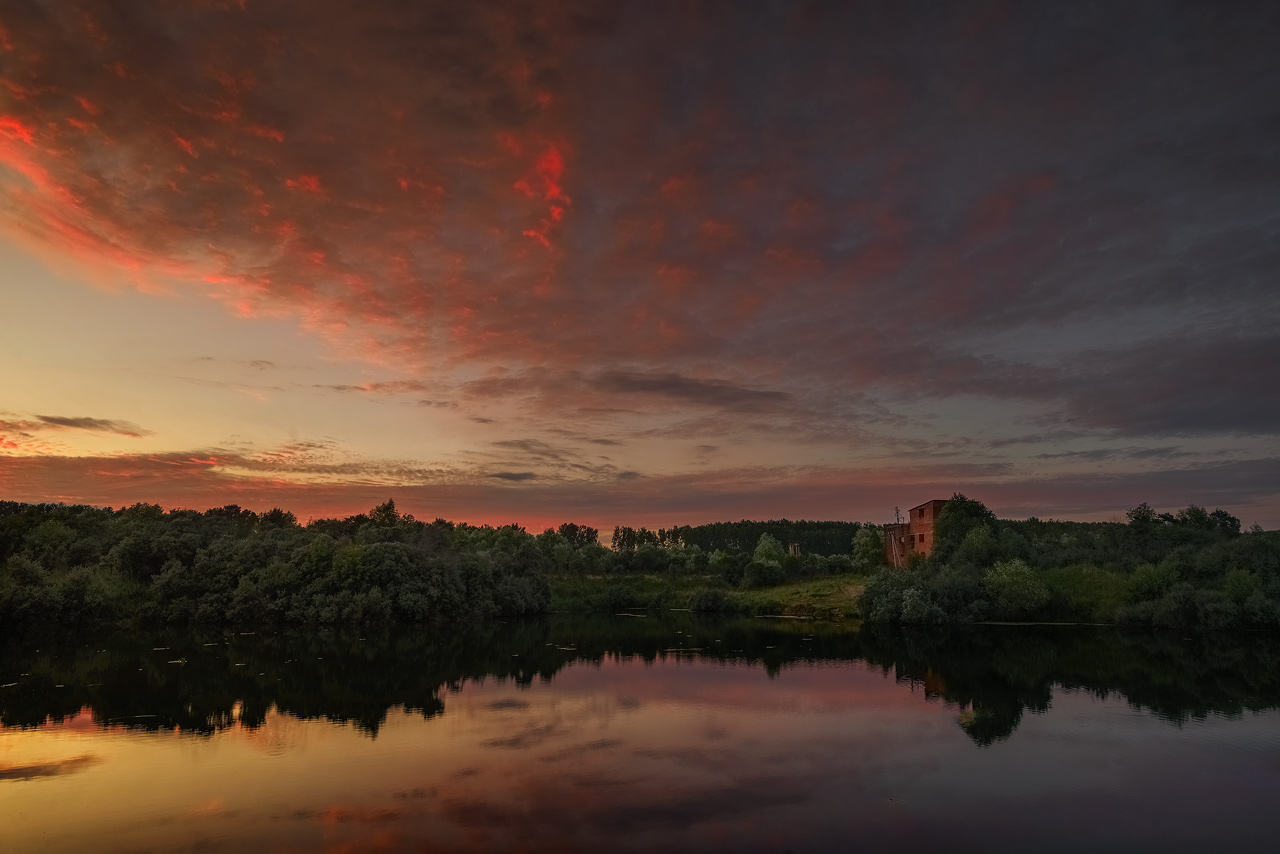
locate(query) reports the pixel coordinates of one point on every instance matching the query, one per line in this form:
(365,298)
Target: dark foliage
(71,565)
(1190,569)
(818,538)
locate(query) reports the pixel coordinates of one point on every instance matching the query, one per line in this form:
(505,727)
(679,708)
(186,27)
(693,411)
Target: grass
(829,597)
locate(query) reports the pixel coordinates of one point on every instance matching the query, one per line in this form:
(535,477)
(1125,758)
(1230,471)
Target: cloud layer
(753,226)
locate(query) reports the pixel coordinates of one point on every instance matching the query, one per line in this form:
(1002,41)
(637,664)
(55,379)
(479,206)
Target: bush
(620,597)
(1176,609)
(1014,590)
(761,573)
(1216,611)
(1261,612)
(881,600)
(1150,582)
(840,565)
(1238,585)
(918,609)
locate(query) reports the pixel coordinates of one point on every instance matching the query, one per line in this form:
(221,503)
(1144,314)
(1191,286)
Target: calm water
(625,734)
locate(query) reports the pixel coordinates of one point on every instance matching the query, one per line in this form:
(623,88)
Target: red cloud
(14,128)
(577,189)
(309,183)
(220,158)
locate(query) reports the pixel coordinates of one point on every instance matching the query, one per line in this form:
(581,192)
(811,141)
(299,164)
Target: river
(635,733)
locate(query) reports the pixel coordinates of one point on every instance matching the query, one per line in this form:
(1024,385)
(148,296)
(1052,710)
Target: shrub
(1014,590)
(1238,585)
(918,609)
(840,564)
(1150,582)
(760,573)
(881,600)
(620,597)
(1216,611)
(1176,609)
(1261,612)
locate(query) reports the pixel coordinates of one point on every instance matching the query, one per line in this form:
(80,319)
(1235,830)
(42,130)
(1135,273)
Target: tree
(1141,516)
(624,538)
(384,515)
(277,518)
(868,549)
(769,549)
(1225,522)
(959,516)
(579,535)
(1195,516)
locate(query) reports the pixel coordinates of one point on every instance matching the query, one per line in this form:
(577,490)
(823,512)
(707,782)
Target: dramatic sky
(641,262)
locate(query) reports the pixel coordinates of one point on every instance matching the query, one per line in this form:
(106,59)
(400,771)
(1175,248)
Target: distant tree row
(817,538)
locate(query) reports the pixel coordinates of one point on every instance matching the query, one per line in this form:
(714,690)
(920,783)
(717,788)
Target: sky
(642,263)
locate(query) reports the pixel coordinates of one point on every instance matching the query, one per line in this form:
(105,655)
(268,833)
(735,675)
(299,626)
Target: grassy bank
(829,597)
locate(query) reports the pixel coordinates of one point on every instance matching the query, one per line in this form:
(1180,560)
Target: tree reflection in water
(992,674)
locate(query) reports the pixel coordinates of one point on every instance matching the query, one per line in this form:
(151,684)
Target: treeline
(1193,568)
(74,565)
(816,538)
(747,554)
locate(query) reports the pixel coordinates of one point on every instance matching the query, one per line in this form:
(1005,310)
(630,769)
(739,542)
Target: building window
(922,538)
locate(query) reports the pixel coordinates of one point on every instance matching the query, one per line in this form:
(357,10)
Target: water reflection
(204,683)
(630,733)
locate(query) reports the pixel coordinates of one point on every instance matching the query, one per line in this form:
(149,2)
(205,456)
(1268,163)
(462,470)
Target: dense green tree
(868,549)
(959,516)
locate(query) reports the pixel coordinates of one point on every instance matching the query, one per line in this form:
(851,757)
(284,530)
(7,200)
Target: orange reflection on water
(708,750)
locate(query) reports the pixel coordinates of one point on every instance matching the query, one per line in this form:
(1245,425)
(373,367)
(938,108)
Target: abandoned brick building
(914,536)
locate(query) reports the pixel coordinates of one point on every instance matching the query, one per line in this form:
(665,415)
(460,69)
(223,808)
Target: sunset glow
(640,263)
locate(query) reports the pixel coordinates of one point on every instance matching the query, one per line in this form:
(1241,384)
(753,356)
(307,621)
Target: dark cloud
(1100,454)
(846,225)
(557,463)
(1182,387)
(100,425)
(694,391)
